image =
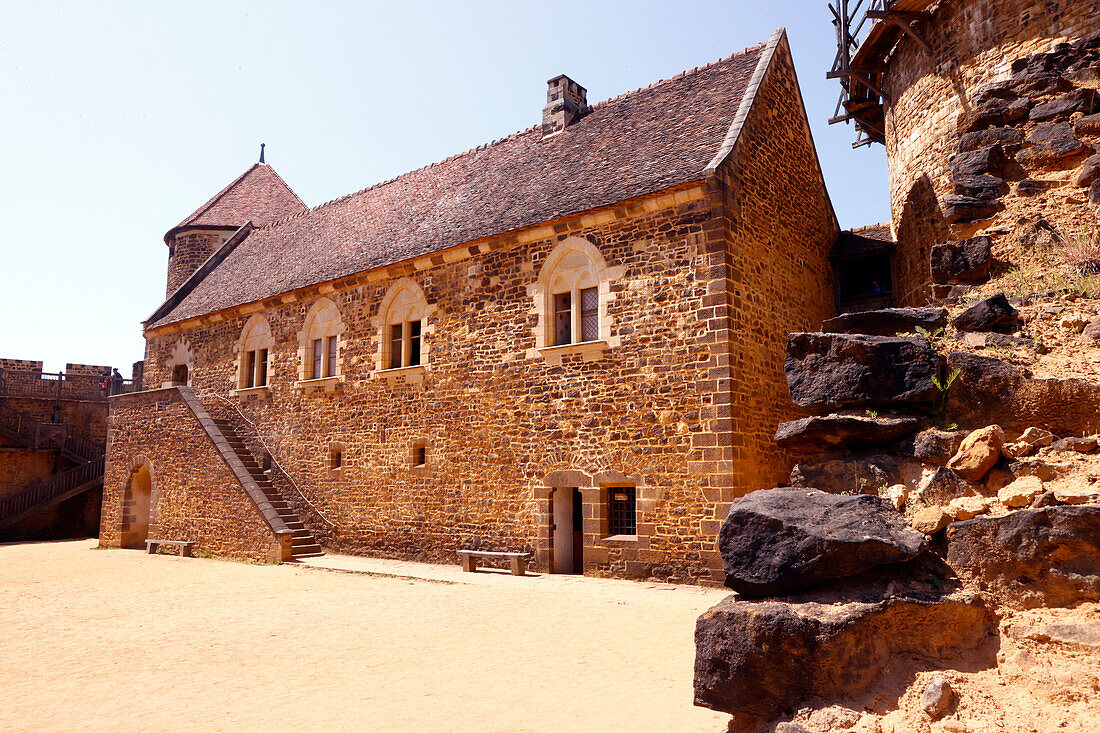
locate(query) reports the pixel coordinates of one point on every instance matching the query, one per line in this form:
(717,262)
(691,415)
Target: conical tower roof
(258,195)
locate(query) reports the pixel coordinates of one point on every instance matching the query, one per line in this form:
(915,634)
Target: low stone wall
(160,432)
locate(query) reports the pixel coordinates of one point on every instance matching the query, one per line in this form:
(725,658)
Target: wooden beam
(902,21)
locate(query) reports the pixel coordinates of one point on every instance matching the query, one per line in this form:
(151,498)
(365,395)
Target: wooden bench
(468,558)
(184,547)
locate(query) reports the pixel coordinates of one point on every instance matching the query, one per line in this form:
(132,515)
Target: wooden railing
(50,489)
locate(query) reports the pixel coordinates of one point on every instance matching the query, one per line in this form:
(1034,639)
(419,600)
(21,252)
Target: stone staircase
(303,543)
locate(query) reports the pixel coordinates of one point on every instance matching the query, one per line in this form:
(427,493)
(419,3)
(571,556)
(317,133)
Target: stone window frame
(255,336)
(403,302)
(336,451)
(182,354)
(323,320)
(415,445)
(575,264)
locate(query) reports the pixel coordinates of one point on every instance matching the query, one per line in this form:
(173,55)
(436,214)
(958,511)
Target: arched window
(319,342)
(571,297)
(180,365)
(254,354)
(402,326)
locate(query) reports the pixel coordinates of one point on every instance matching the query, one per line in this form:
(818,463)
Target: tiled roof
(259,194)
(863,241)
(635,144)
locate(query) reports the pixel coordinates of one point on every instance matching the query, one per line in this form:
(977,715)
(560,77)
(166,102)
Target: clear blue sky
(118,119)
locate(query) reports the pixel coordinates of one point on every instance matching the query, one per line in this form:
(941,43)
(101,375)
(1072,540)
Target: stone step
(298,555)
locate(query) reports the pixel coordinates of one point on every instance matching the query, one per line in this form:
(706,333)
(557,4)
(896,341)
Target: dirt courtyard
(116,639)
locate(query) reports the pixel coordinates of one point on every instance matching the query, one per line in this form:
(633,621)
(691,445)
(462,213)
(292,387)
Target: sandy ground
(116,639)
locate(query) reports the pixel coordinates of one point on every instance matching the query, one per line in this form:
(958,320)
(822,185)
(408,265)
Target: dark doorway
(179,374)
(568,535)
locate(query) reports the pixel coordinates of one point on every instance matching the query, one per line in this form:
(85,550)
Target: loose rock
(783,539)
(866,475)
(1090,171)
(937,446)
(1079,445)
(959,208)
(978,453)
(943,486)
(968,507)
(937,698)
(986,315)
(1020,492)
(930,520)
(1092,330)
(1076,494)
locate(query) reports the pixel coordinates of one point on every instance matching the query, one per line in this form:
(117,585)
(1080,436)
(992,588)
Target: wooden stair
(303,544)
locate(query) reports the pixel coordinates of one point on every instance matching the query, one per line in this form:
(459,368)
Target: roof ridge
(683,74)
(688,72)
(218,196)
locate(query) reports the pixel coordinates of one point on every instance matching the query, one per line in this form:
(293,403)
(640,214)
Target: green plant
(939,408)
(872,413)
(935,337)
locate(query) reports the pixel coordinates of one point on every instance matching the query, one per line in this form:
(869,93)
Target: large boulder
(756,659)
(831,432)
(849,370)
(967,261)
(987,315)
(1090,171)
(860,475)
(783,539)
(887,321)
(1031,557)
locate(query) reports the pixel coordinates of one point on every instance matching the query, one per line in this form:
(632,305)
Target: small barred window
(621,510)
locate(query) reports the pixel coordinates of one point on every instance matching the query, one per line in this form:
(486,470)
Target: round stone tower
(258,195)
(987,109)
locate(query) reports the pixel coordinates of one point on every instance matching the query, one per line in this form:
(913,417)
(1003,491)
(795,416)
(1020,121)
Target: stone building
(569,341)
(53,431)
(988,112)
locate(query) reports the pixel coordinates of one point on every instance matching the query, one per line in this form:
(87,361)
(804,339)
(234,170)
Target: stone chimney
(566,102)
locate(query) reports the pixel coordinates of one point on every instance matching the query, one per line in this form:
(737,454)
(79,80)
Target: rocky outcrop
(1050,143)
(937,446)
(888,321)
(843,370)
(1031,557)
(988,390)
(959,208)
(943,486)
(812,435)
(755,659)
(783,539)
(967,261)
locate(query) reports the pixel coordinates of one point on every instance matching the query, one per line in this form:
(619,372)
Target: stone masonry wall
(194,494)
(781,226)
(682,402)
(974,43)
(188,250)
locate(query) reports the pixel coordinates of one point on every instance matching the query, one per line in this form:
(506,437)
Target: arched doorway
(135,508)
(179,374)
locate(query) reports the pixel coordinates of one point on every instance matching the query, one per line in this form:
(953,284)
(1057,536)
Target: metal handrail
(274,460)
(39,492)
